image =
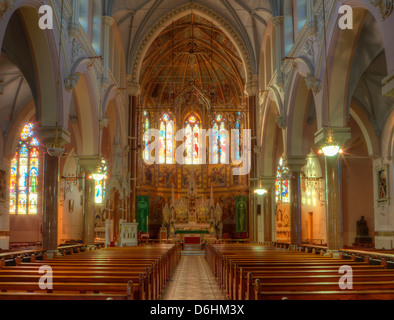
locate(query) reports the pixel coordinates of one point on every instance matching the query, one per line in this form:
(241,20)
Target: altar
(192,236)
(192,217)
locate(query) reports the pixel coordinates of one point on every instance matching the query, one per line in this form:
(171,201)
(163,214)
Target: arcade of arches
(231,84)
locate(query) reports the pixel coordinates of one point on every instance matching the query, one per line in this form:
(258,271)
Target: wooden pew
(323,295)
(108,271)
(277,271)
(130,291)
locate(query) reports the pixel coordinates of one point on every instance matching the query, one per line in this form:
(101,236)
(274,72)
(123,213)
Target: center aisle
(193,280)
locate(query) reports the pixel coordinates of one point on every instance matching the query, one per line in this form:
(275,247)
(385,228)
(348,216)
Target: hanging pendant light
(56,150)
(330,147)
(260,191)
(101,173)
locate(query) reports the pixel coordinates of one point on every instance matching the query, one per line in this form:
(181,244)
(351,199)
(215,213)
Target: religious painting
(218,176)
(242,214)
(186,175)
(167,176)
(3,186)
(143,213)
(283,222)
(382,184)
(156,205)
(228,211)
(148,174)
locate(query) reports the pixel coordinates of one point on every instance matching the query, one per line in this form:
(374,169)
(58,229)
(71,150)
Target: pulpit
(128,234)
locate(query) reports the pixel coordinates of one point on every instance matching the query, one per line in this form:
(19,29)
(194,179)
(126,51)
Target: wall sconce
(71,206)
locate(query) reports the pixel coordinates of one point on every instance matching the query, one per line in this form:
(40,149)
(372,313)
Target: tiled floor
(193,280)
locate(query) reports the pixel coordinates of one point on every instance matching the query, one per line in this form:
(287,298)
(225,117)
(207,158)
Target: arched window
(219,141)
(282,187)
(84,15)
(99,191)
(288,25)
(24,174)
(90,20)
(145,127)
(238,136)
(301,14)
(192,133)
(166,141)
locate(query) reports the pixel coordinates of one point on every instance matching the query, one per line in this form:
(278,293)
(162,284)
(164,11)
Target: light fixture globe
(98,176)
(330,150)
(101,172)
(55,151)
(260,192)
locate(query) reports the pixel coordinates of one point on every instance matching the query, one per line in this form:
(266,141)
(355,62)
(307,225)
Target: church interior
(236,149)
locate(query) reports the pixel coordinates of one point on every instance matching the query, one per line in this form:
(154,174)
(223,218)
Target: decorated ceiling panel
(192,61)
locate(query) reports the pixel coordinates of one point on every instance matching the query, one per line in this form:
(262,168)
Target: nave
(193,280)
(270,271)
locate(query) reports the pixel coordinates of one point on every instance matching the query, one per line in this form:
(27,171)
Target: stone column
(107,23)
(89,165)
(267,210)
(251,90)
(50,204)
(51,136)
(334,188)
(295,165)
(5,164)
(278,23)
(334,203)
(133,91)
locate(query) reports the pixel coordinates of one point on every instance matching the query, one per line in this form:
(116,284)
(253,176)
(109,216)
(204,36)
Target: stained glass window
(99,195)
(146,127)
(237,139)
(99,192)
(282,186)
(219,141)
(192,142)
(166,141)
(24,174)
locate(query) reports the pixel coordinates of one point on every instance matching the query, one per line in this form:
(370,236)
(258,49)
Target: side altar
(192,217)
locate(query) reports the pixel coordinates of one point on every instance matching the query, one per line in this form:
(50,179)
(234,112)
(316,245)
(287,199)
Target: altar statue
(363,239)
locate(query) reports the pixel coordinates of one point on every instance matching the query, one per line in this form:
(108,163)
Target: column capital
(267,182)
(252,87)
(133,88)
(388,85)
(88,163)
(277,21)
(51,135)
(340,134)
(107,21)
(295,163)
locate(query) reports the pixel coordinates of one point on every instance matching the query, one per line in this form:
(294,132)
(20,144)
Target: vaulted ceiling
(192,60)
(248,18)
